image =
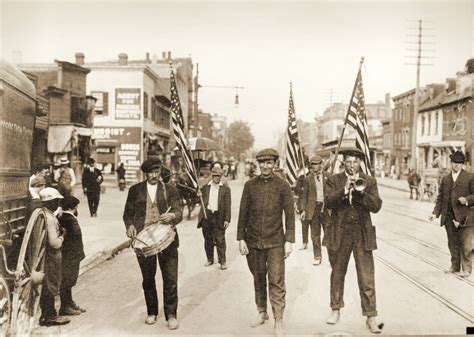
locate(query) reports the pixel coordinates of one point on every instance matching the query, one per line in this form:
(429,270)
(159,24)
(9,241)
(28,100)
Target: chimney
(123,57)
(169,55)
(147,59)
(450,84)
(163,55)
(79,59)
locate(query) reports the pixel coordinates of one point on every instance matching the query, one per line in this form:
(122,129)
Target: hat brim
(265,158)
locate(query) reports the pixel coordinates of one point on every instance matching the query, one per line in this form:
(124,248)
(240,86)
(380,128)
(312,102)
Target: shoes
(151,319)
(223,266)
(317,261)
(304,246)
(262,318)
(51,321)
(333,317)
(451,271)
(76,307)
(279,329)
(372,325)
(69,311)
(208,263)
(172,323)
(462,273)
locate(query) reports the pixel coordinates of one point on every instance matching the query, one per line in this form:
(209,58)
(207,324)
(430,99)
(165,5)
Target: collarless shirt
(318,180)
(151,191)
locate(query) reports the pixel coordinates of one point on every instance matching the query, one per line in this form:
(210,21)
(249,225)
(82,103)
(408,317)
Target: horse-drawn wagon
(22,231)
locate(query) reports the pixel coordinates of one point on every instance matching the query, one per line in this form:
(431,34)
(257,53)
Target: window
(422,125)
(145,105)
(436,123)
(102,103)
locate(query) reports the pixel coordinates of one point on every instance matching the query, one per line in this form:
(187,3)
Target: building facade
(64,127)
(133,110)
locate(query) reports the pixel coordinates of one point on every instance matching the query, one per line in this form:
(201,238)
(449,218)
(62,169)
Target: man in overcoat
(314,214)
(350,230)
(91,180)
(263,237)
(149,202)
(217,198)
(455,205)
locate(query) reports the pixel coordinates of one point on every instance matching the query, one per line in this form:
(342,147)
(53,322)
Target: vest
(151,214)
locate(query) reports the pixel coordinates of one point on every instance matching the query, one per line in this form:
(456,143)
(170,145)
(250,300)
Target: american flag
(294,160)
(357,118)
(178,130)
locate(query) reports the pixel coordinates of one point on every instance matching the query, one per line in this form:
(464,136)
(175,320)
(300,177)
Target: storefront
(115,145)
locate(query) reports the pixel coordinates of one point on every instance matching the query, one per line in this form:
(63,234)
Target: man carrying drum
(148,203)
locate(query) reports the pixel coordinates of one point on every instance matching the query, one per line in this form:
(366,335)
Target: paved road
(414,296)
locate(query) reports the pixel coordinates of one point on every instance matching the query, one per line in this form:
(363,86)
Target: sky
(260,45)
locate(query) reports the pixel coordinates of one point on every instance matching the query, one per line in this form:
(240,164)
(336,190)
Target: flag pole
(299,139)
(197,190)
(347,116)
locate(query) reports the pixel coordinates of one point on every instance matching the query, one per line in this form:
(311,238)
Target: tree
(239,138)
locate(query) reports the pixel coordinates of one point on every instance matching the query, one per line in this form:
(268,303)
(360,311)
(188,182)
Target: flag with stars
(357,118)
(178,130)
(293,160)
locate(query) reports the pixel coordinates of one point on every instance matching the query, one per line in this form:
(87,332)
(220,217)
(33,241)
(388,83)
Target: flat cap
(38,181)
(353,151)
(91,161)
(69,202)
(316,160)
(49,193)
(267,154)
(150,164)
(458,157)
(217,171)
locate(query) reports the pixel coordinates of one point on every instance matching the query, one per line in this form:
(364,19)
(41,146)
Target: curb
(104,255)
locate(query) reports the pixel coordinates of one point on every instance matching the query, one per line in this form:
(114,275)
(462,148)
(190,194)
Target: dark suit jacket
(308,197)
(363,204)
(223,203)
(135,206)
(92,180)
(73,247)
(462,187)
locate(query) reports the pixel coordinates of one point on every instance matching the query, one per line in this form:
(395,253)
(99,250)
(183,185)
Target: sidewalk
(104,235)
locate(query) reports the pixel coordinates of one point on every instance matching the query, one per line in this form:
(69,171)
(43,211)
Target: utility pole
(196,103)
(416,100)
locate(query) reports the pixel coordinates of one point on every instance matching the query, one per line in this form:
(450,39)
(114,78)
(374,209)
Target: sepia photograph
(236,168)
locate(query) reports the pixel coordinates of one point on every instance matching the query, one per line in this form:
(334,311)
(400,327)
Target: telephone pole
(416,100)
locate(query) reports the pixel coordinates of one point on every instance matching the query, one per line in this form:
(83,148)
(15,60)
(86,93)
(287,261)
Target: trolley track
(449,304)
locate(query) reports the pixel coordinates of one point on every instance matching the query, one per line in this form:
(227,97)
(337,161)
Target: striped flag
(178,130)
(357,118)
(293,154)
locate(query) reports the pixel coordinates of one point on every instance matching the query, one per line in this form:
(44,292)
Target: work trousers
(316,223)
(353,241)
(93,199)
(271,262)
(214,235)
(467,239)
(168,261)
(454,243)
(48,311)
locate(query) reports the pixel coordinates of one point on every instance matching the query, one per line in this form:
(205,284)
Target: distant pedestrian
(39,171)
(350,231)
(454,204)
(121,176)
(314,214)
(217,198)
(72,255)
(91,180)
(264,239)
(66,178)
(148,203)
(52,279)
(414,181)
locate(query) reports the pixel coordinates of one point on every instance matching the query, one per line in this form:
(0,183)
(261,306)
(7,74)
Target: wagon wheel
(5,308)
(29,275)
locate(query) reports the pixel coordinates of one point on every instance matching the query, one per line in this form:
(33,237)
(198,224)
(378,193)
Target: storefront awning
(444,143)
(60,138)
